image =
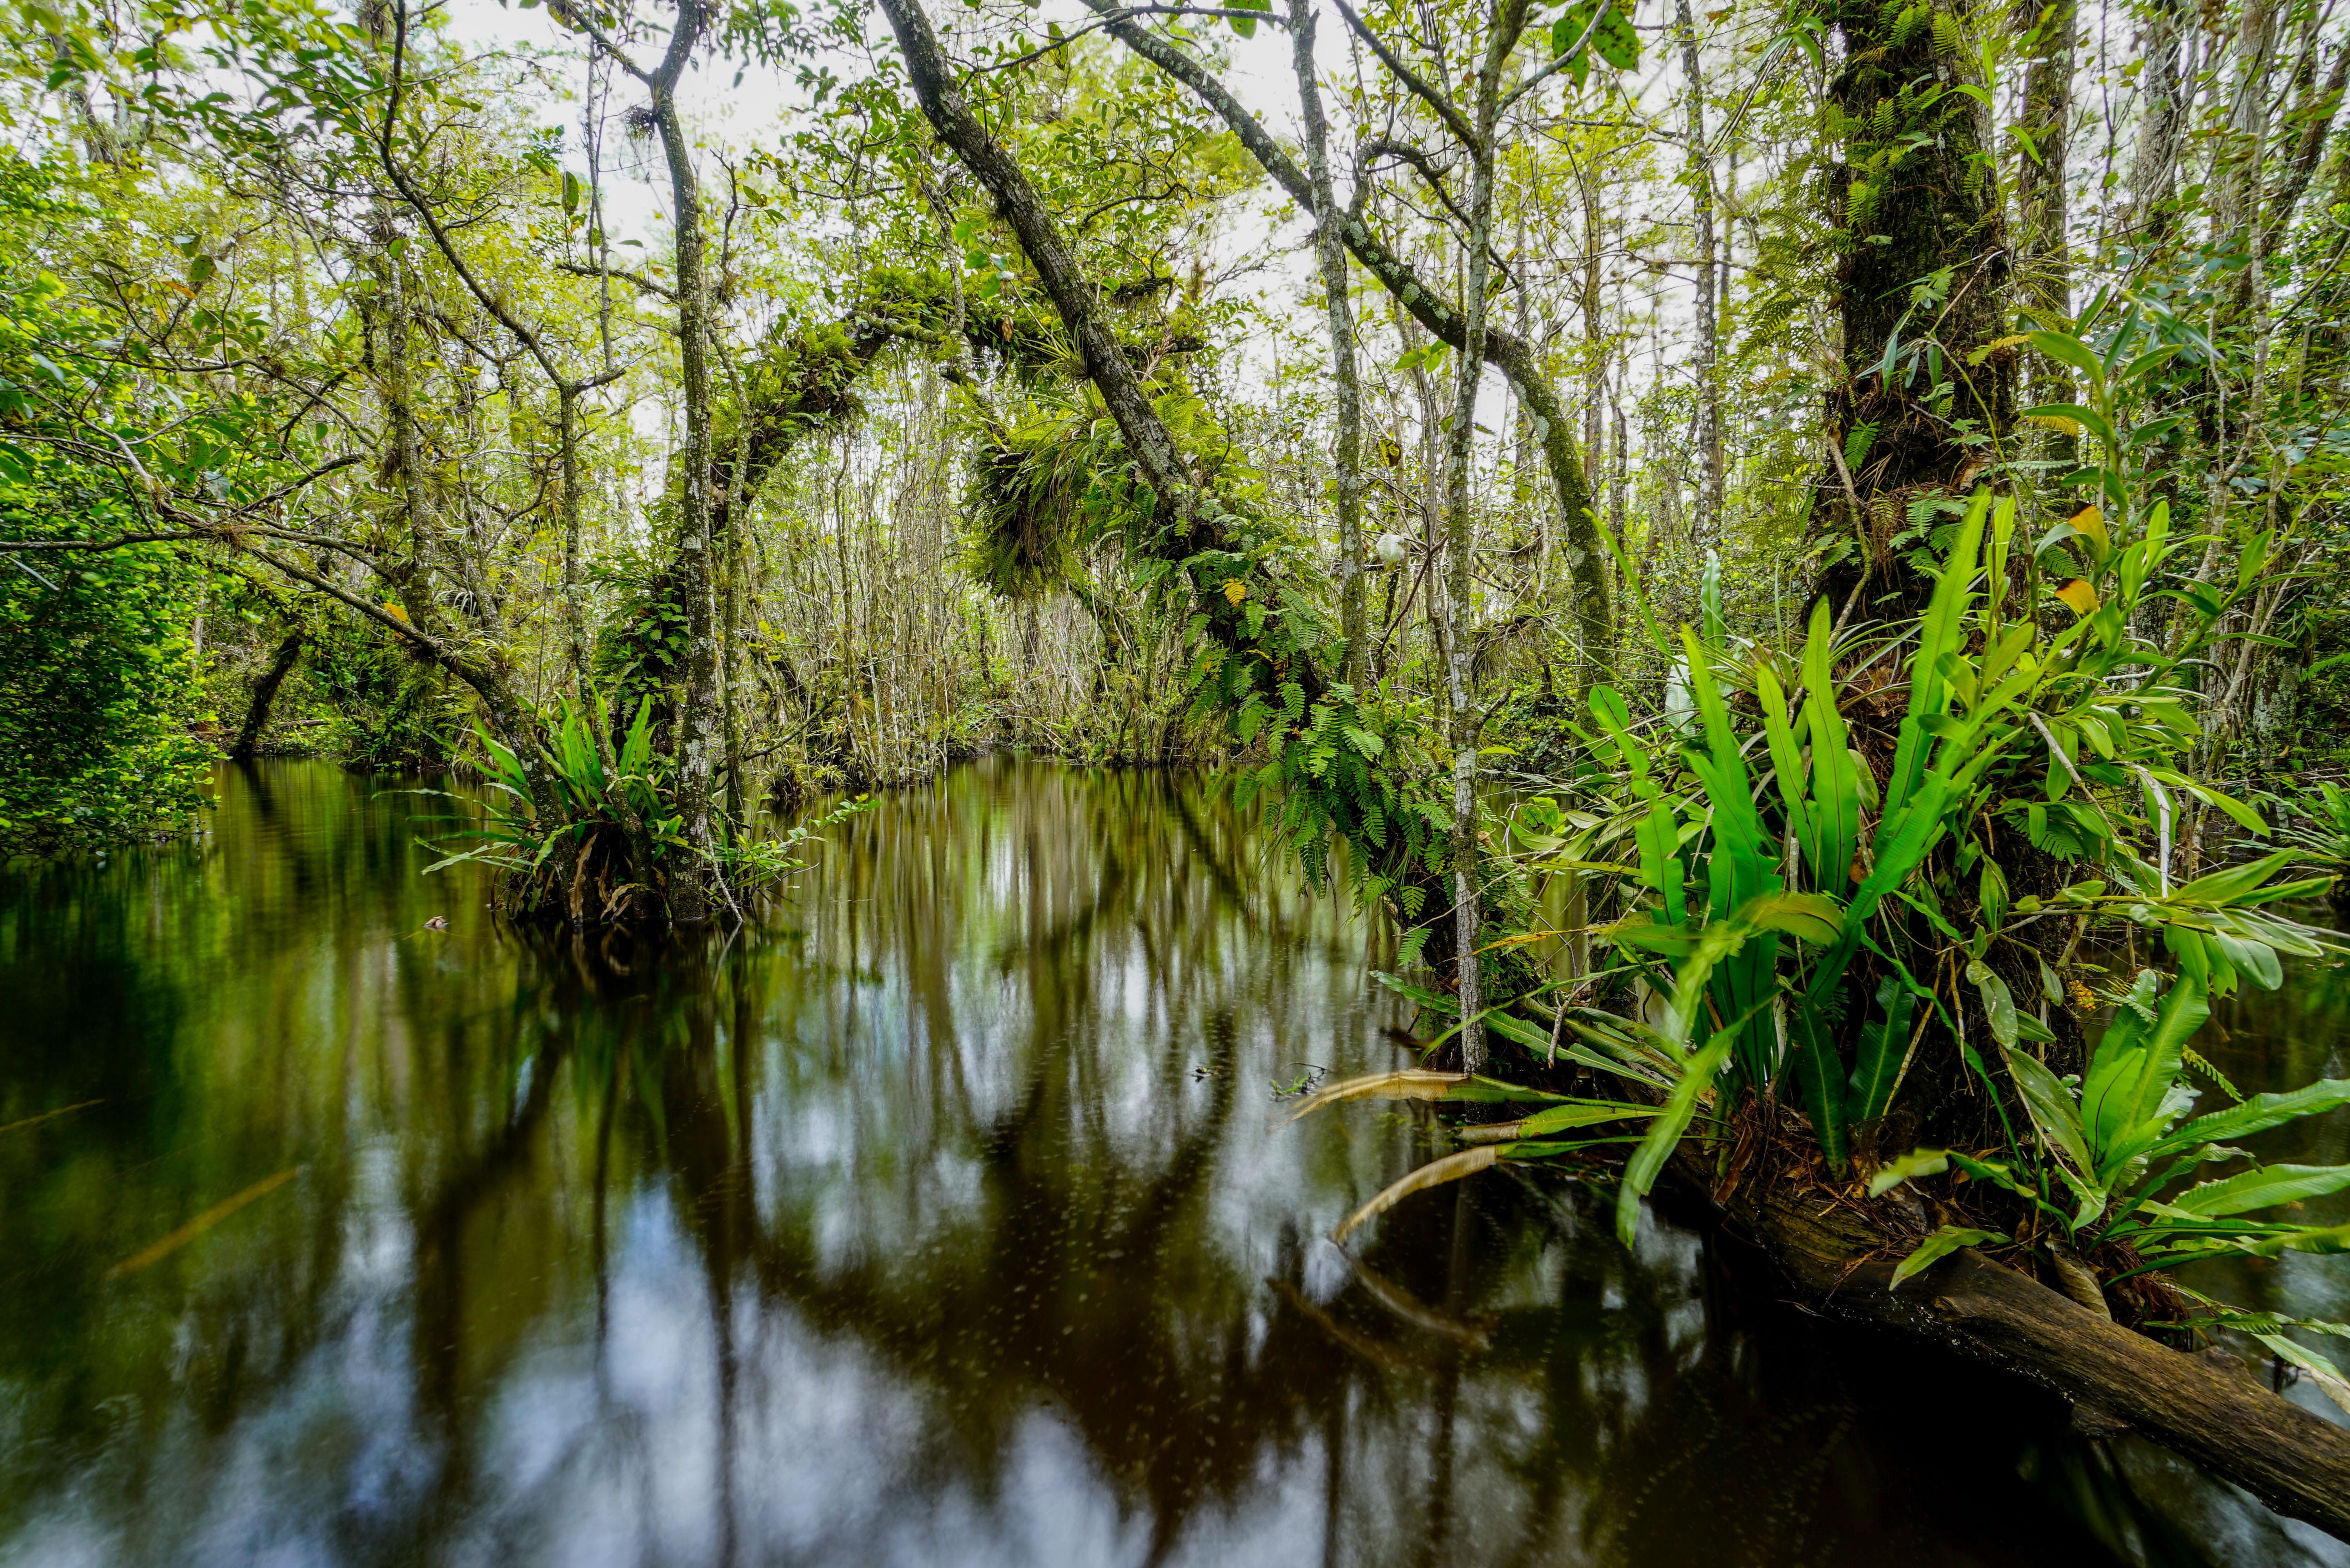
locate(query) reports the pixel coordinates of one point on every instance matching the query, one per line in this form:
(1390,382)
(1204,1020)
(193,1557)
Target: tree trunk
(700,737)
(1923,283)
(1508,20)
(2236,153)
(1198,527)
(2209,1409)
(264,695)
(2314,116)
(2154,167)
(1593,310)
(1330,250)
(1707,533)
(2046,289)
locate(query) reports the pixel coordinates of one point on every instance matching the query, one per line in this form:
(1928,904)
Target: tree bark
(2316,115)
(2154,166)
(1198,525)
(1330,251)
(2039,186)
(1923,277)
(1707,533)
(2236,153)
(2296,1462)
(264,695)
(1507,23)
(700,736)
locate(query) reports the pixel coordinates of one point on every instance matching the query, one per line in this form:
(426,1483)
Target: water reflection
(945,1222)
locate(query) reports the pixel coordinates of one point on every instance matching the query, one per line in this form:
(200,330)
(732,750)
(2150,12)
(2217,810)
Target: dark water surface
(948,1220)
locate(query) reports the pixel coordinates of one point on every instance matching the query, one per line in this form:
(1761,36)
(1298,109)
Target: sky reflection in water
(949,1221)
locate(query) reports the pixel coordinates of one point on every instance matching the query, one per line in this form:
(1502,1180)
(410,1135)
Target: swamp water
(947,1220)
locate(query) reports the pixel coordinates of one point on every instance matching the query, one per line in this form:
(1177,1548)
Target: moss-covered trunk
(1928,396)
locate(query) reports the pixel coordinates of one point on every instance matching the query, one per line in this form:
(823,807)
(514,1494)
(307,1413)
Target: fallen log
(2295,1462)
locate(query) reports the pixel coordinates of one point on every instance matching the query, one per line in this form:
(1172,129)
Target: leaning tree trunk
(1198,527)
(265,696)
(2208,1409)
(1923,283)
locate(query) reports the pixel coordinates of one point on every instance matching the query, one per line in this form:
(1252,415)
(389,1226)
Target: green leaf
(2263,1188)
(2321,1239)
(1836,784)
(1648,1161)
(1938,1246)
(1245,26)
(2257,1113)
(1999,1004)
(1917,1162)
(1583,1115)
(2235,882)
(2052,1110)
(1419,994)
(1818,1072)
(2068,349)
(1883,1050)
(2127,1099)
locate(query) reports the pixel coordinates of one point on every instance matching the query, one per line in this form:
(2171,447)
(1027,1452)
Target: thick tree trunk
(265,696)
(2236,152)
(1330,251)
(1924,299)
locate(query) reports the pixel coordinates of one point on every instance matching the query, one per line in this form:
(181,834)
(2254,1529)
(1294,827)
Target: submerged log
(2296,1462)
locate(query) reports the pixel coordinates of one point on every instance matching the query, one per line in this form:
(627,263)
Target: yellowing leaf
(2071,427)
(1435,1173)
(1994,347)
(2091,521)
(1411,1084)
(2079,594)
(1235,590)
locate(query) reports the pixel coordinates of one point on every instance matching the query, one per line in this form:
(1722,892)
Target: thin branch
(1446,110)
(1124,14)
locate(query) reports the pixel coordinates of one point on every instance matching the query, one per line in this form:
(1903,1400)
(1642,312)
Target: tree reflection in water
(948,1219)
